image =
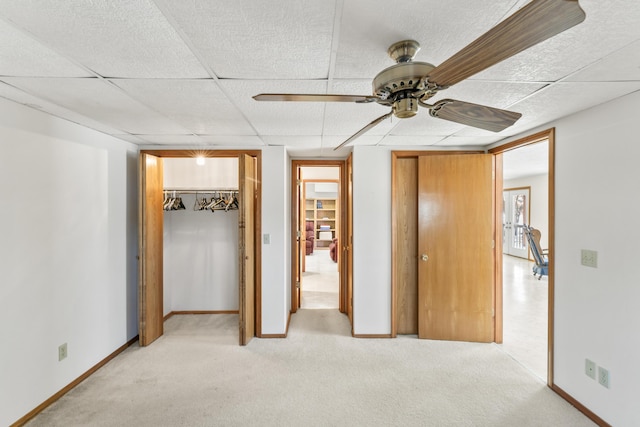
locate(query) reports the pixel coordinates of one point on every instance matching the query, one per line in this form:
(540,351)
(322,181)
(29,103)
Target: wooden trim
(580,407)
(394,245)
(498,329)
(257,154)
(417,153)
(373,336)
(549,135)
(274,335)
(180,312)
(41,407)
(341,233)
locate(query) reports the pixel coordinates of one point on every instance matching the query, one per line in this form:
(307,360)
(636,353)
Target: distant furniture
(540,255)
(333,250)
(309,235)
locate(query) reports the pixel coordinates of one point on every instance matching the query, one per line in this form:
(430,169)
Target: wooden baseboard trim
(372,336)
(22,421)
(273,336)
(173,313)
(580,407)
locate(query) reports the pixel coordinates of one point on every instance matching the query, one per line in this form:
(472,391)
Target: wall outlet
(603,377)
(589,258)
(62,352)
(590,368)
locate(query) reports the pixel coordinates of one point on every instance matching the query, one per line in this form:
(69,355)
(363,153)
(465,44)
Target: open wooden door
(150,247)
(247,181)
(455,247)
(348,245)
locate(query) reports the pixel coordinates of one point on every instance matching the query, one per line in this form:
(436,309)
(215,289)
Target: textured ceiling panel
(465,141)
(270,39)
(21,97)
(621,65)
(294,141)
(422,124)
(21,55)
(559,100)
(411,141)
(332,141)
(198,105)
(232,140)
(442,28)
(99,100)
(118,38)
(171,139)
(609,26)
(279,118)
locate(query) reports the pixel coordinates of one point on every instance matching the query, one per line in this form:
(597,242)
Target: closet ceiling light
(200,161)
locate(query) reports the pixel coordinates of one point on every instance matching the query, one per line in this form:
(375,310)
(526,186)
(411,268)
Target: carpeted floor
(197,375)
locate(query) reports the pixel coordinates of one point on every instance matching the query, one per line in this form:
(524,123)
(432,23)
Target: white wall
(597,207)
(68,253)
(200,247)
(539,202)
(371,240)
(276,256)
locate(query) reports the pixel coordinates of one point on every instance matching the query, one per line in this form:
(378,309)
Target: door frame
(143,313)
(549,136)
(344,273)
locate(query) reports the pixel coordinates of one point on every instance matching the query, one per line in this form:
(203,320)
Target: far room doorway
(319,228)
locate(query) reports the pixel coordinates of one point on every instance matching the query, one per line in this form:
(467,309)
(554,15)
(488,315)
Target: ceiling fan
(408,84)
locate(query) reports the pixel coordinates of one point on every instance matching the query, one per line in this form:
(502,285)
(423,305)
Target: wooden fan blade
(533,23)
(301,97)
(479,116)
(364,129)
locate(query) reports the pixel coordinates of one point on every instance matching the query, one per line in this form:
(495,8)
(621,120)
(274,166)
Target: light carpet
(197,375)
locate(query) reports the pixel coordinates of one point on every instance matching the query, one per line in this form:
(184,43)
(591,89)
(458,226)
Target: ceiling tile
(197,105)
(465,141)
(609,26)
(559,100)
(21,97)
(118,38)
(232,140)
(621,65)
(294,141)
(171,139)
(269,39)
(130,138)
(99,100)
(411,141)
(21,55)
(278,118)
(369,27)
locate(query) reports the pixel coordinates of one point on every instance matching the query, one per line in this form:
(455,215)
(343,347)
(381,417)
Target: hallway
(320,281)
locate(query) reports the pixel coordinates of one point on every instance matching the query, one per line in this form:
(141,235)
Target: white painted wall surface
(200,259)
(371,240)
(276,222)
(67,253)
(597,207)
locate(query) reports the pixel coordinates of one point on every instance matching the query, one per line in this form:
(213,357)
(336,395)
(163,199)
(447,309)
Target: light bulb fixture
(200,161)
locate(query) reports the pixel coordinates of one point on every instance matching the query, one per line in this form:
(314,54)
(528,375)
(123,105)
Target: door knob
(424,257)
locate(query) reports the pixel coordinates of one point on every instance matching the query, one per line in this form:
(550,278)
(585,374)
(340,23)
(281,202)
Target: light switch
(589,258)
(266,239)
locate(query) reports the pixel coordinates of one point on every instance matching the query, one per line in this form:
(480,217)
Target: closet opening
(198,231)
(320,235)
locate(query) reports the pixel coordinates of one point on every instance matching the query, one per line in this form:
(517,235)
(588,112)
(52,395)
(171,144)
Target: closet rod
(227,190)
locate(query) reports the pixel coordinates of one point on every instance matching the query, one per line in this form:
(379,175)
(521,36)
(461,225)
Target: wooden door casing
(246,253)
(455,229)
(150,250)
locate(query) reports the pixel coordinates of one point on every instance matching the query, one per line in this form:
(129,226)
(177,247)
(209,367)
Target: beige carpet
(197,375)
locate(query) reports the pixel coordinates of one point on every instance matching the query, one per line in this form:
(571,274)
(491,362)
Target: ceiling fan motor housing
(398,83)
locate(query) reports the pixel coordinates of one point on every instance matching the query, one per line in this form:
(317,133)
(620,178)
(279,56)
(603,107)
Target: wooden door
(247,181)
(515,215)
(301,236)
(348,245)
(455,232)
(150,247)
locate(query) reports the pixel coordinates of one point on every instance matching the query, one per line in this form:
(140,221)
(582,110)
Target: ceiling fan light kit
(407,85)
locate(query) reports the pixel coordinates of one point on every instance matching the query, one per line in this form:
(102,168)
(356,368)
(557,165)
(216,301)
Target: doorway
(320,230)
(151,240)
(526,178)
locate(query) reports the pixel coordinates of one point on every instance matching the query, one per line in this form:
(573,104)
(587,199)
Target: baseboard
(273,336)
(22,421)
(372,336)
(173,313)
(580,407)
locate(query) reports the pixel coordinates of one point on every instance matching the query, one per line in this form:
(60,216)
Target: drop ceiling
(183,73)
